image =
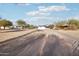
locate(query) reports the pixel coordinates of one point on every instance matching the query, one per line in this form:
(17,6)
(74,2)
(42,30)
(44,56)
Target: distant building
(2,27)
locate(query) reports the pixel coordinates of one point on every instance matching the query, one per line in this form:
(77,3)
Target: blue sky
(39,13)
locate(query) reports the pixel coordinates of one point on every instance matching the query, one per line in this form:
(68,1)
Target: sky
(39,13)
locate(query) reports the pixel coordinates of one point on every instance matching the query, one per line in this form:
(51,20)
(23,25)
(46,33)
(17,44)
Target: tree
(73,23)
(30,26)
(60,23)
(5,23)
(70,24)
(21,23)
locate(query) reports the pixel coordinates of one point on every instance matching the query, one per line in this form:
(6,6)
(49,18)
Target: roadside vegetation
(20,24)
(71,24)
(51,26)
(5,23)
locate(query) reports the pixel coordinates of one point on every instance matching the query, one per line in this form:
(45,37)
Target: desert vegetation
(70,24)
(21,24)
(5,23)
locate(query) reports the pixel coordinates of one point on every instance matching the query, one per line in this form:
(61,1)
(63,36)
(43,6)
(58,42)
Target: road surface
(41,43)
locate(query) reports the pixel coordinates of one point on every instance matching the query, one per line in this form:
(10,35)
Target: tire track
(33,47)
(43,44)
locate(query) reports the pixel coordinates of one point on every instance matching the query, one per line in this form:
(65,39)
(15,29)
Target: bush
(71,24)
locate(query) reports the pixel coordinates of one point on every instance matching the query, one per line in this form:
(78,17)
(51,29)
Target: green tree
(5,23)
(21,23)
(30,26)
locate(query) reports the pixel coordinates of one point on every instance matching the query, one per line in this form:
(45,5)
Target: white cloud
(43,11)
(43,18)
(23,4)
(37,13)
(55,8)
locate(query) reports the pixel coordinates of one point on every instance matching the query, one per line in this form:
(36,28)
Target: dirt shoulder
(8,35)
(74,33)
